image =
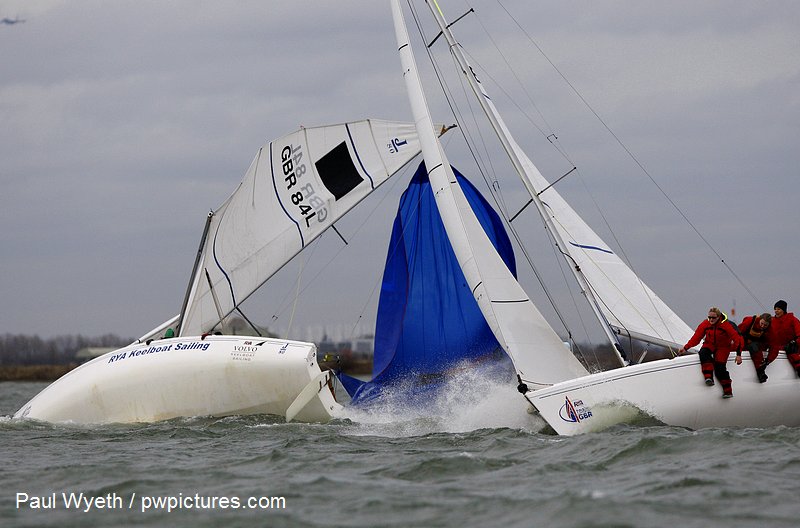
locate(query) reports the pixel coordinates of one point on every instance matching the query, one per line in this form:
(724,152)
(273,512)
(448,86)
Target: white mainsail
(534,347)
(296,187)
(623,301)
(628,304)
(619,297)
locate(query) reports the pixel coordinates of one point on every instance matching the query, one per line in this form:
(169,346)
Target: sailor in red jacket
(719,337)
(784,335)
(755,331)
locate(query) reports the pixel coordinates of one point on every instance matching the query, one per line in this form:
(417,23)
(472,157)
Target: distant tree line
(18,349)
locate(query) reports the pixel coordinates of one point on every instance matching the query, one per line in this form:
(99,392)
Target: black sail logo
(338,172)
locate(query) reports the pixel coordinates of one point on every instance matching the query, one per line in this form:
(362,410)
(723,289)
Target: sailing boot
(759,362)
(708,372)
(727,391)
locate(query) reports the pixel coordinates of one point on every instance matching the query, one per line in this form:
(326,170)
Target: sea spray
(467,399)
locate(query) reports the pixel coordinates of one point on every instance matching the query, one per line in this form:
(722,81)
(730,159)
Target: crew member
(784,335)
(719,338)
(755,331)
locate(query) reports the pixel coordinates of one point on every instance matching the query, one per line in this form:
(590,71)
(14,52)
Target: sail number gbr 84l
(304,197)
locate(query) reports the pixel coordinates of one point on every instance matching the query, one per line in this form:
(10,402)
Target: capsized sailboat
(296,187)
(570,399)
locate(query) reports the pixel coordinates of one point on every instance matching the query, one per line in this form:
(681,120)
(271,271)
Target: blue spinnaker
(428,322)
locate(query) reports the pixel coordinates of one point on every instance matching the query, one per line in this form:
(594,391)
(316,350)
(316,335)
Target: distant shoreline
(34,372)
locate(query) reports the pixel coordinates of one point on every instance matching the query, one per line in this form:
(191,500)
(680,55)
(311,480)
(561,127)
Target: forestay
(296,187)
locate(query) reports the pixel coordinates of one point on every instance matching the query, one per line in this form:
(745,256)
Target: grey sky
(124,123)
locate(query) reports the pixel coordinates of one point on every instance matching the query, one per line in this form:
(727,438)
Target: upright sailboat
(668,390)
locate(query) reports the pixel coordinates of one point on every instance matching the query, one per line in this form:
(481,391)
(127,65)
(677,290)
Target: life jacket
(716,339)
(710,336)
(751,331)
(756,333)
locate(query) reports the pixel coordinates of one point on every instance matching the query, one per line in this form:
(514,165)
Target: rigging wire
(552,138)
(499,196)
(557,251)
(633,157)
(456,113)
(314,245)
(379,280)
(394,182)
(297,293)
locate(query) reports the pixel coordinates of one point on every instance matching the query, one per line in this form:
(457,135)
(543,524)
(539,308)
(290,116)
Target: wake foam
(469,399)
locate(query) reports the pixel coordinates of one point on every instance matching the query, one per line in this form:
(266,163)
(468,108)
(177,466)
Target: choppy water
(482,465)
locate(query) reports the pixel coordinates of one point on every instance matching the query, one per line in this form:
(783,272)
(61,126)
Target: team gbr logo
(574,412)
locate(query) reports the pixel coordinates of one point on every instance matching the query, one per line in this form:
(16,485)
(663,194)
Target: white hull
(183,377)
(674,393)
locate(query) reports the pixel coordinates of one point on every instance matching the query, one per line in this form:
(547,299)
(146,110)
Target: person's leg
(707,365)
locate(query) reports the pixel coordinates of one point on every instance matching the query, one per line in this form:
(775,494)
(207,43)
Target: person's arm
(695,339)
(739,347)
(796,328)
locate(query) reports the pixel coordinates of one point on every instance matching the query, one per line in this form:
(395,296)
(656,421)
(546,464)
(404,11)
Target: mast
(537,352)
(193,276)
(516,156)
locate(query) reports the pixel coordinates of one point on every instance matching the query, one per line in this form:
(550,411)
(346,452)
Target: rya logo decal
(574,412)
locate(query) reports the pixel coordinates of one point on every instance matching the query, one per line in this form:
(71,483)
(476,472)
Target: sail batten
(296,187)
